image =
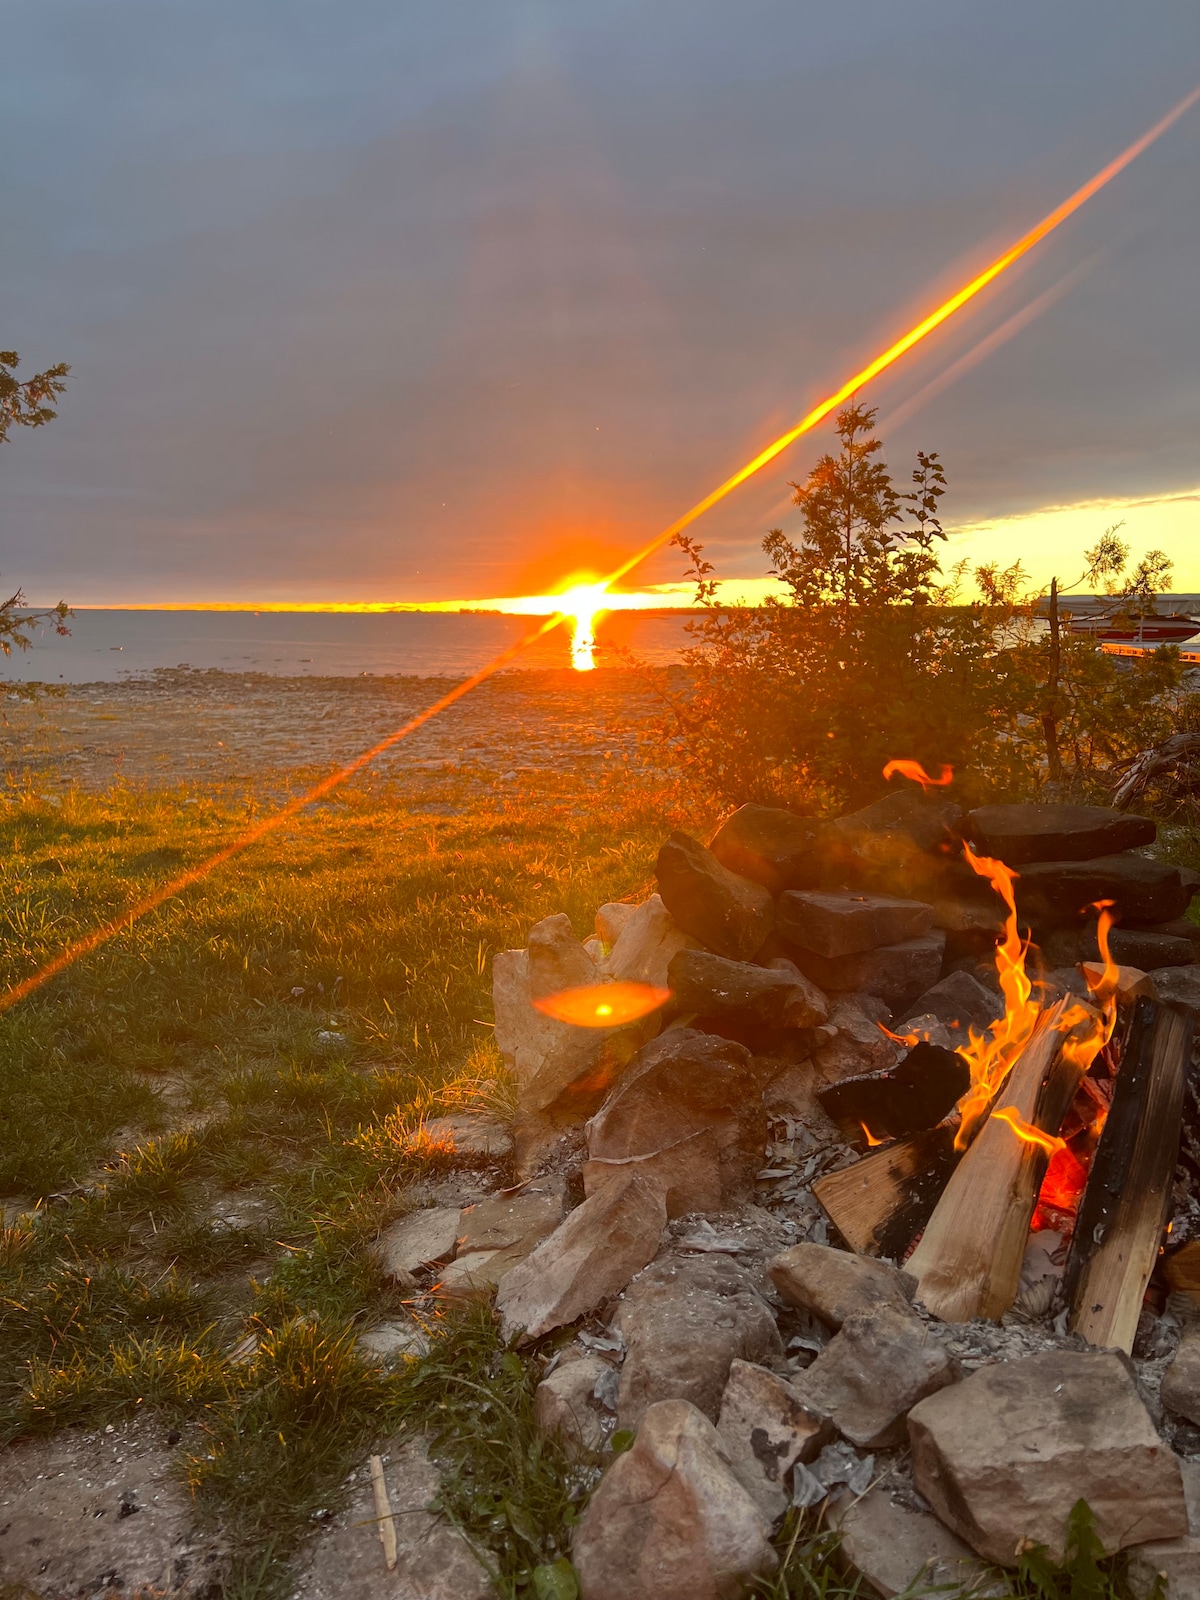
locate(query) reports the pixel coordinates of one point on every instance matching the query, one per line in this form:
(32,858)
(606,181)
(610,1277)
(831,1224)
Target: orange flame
(1027,1133)
(915,771)
(603,1005)
(906,1039)
(870,1137)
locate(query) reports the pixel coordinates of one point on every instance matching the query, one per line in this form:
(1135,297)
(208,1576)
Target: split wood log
(1125,1205)
(968,1263)
(882,1202)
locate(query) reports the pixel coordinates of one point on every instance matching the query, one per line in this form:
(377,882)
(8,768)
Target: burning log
(968,1262)
(882,1202)
(1125,1205)
(906,1099)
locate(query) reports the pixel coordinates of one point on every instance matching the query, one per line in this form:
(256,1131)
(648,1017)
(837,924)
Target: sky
(378,302)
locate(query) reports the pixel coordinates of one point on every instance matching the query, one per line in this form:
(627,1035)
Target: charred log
(916,1094)
(882,1202)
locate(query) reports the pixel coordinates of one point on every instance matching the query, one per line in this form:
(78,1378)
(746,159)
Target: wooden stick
(1124,1207)
(383,1513)
(968,1263)
(882,1202)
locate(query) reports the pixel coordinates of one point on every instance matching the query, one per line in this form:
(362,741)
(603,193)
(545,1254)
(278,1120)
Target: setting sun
(583,603)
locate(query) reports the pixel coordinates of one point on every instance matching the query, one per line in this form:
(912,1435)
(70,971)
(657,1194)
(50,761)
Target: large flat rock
(835,1285)
(835,925)
(1019,834)
(1139,888)
(766,997)
(896,973)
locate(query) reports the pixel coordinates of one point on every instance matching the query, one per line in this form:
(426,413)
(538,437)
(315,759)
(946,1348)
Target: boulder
(896,973)
(670,1521)
(730,915)
(686,1083)
(961,1002)
(835,1285)
(899,1549)
(687,1173)
(1004,1456)
(766,1428)
(588,1259)
(860,1045)
(1179,988)
(684,1322)
(565,1403)
(773,847)
(1020,834)
(768,997)
(1181,1381)
(1140,889)
(646,944)
(420,1239)
(1177,928)
(871,1374)
(834,925)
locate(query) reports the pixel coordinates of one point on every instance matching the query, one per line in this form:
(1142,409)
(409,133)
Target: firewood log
(882,1202)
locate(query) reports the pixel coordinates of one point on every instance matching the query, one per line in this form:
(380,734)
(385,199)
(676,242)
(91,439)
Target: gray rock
(728,914)
(776,848)
(1179,988)
(646,945)
(871,1374)
(834,925)
(611,920)
(565,1403)
(418,1240)
(766,1428)
(889,831)
(961,1002)
(859,1046)
(434,1561)
(687,1173)
(1021,834)
(496,1235)
(1173,1562)
(683,1322)
(1181,1381)
(557,960)
(896,973)
(468,1134)
(669,1521)
(713,986)
(388,1340)
(835,1285)
(1004,1456)
(1144,948)
(587,1260)
(897,1548)
(1142,890)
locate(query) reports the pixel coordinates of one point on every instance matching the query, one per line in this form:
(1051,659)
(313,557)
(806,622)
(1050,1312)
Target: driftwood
(882,1202)
(968,1262)
(1178,755)
(1124,1208)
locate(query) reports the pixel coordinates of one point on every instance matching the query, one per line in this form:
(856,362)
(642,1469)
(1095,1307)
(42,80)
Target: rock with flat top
(421,1239)
(859,1045)
(712,986)
(728,914)
(1181,1381)
(896,973)
(1140,889)
(1004,1456)
(871,1374)
(646,944)
(588,1259)
(835,1285)
(1021,834)
(433,1560)
(470,1135)
(904,844)
(1145,948)
(1179,988)
(766,1428)
(670,1521)
(685,1083)
(684,1321)
(565,1403)
(899,1549)
(833,925)
(773,847)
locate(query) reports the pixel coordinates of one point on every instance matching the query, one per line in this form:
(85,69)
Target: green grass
(202,1164)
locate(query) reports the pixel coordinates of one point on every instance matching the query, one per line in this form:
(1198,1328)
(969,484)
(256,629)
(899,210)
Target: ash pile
(886,1202)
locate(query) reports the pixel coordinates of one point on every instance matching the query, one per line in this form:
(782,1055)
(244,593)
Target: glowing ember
(603,1005)
(582,605)
(915,771)
(1026,1132)
(1062,1187)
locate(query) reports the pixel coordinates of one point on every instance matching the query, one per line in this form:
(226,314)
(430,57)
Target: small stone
(713,986)
(669,1520)
(421,1239)
(961,1002)
(1003,1457)
(564,1403)
(1179,988)
(684,1321)
(833,925)
(896,973)
(729,915)
(871,1374)
(587,1260)
(387,1340)
(1176,1562)
(898,1549)
(1181,1381)
(646,944)
(835,1285)
(776,848)
(1021,834)
(860,1045)
(766,1428)
(466,1133)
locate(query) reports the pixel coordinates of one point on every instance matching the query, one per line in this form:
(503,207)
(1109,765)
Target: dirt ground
(254,730)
